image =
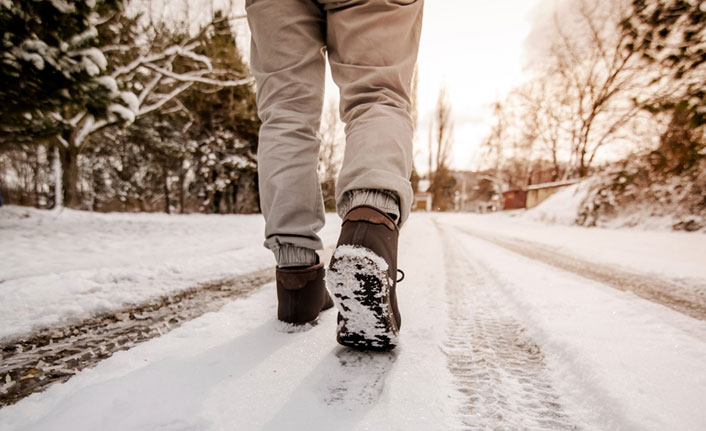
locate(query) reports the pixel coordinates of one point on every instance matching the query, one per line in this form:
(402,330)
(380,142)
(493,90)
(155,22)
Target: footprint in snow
(356,378)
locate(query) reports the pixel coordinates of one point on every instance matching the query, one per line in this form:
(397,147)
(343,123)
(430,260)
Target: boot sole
(360,288)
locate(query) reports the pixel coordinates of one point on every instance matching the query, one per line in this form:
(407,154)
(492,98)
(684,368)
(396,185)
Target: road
(500,331)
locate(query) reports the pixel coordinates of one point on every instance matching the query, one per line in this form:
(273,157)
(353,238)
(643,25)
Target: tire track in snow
(54,355)
(686,297)
(500,372)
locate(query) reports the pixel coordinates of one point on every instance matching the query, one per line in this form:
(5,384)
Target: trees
(167,114)
(196,153)
(597,75)
(626,76)
(544,110)
(81,68)
(51,65)
(222,127)
(509,148)
(330,157)
(580,102)
(672,34)
(440,148)
(154,74)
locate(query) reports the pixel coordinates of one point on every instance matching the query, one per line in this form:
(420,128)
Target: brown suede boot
(301,294)
(362,280)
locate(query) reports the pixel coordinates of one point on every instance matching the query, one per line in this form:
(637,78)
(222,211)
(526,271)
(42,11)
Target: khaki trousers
(372,50)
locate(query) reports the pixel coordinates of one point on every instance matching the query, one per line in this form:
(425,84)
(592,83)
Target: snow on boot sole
(360,287)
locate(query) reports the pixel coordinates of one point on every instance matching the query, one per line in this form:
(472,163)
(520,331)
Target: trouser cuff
(383,200)
(289,255)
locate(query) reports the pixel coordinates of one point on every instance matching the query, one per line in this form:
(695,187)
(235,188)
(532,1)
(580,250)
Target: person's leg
(372,51)
(372,48)
(288,62)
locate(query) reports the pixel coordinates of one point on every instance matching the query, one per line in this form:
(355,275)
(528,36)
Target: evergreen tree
(150,65)
(50,63)
(224,130)
(197,155)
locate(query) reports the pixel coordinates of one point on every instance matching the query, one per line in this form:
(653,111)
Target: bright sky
(475,48)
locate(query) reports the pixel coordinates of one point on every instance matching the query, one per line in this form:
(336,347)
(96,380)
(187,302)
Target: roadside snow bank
(562,207)
(634,194)
(621,198)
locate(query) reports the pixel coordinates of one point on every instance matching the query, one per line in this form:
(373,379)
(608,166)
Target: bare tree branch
(196,78)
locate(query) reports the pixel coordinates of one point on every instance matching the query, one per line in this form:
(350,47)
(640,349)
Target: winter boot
(362,280)
(301,294)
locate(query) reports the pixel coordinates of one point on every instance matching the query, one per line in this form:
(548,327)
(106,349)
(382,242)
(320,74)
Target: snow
(93,60)
(109,83)
(614,360)
(562,207)
(665,253)
(59,267)
(235,369)
(32,57)
(663,207)
(349,293)
(553,184)
(126,114)
(35,52)
(130,100)
(641,364)
(352,252)
(196,57)
(81,38)
(63,6)
(238,161)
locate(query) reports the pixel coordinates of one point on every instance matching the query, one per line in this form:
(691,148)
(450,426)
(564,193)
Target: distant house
(422,199)
(537,193)
(534,195)
(514,199)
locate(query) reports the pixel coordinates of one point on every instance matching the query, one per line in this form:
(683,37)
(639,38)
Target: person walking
(372,48)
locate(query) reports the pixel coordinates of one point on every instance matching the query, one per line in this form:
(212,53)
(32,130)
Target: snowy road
(55,354)
(498,367)
(506,325)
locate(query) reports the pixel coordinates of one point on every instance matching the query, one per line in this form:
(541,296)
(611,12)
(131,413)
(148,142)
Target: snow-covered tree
(672,34)
(52,66)
(222,129)
(154,103)
(197,153)
(149,68)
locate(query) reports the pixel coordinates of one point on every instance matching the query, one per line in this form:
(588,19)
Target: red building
(514,199)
